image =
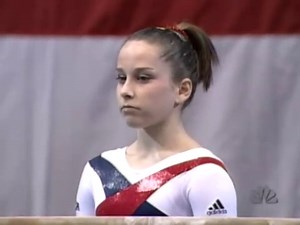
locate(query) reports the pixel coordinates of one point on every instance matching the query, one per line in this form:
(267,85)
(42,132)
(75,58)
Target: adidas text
(216,211)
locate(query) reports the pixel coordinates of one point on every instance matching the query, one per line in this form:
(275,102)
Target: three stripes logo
(216,208)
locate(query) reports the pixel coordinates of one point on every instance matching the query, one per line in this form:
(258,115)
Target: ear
(184,90)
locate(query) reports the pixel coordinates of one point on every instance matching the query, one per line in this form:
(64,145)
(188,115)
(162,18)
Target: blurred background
(58,106)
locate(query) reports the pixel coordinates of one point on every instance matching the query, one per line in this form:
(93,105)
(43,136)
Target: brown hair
(187,48)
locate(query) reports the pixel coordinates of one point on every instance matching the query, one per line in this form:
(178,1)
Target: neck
(166,138)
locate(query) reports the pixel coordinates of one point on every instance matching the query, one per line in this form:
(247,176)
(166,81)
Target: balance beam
(145,221)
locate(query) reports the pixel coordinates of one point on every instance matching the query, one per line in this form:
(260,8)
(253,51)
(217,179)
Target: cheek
(162,96)
(117,91)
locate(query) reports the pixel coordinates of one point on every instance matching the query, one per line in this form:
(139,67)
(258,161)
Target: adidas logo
(216,208)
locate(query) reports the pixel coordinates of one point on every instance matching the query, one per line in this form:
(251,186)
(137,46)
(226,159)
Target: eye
(121,78)
(144,77)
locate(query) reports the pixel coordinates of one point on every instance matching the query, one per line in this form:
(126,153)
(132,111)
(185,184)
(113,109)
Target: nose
(127,89)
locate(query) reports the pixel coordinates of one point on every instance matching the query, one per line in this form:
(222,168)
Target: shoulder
(213,167)
(209,174)
(95,166)
(208,183)
(110,155)
(114,153)
(114,158)
(198,153)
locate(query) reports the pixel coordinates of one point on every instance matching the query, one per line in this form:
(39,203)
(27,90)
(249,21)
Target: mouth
(125,107)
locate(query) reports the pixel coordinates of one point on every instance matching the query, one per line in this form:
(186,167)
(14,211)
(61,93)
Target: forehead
(140,52)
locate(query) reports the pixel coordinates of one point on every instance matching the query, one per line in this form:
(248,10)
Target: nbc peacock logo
(264,194)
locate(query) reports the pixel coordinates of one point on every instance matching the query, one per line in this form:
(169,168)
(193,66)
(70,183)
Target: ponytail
(206,53)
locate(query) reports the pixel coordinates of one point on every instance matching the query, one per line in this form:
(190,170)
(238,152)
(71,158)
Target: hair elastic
(179,32)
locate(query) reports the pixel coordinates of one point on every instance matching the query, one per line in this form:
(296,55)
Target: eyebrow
(139,69)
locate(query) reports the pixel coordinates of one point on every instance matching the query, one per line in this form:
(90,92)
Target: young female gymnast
(164,172)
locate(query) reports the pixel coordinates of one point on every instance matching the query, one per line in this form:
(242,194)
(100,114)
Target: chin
(134,124)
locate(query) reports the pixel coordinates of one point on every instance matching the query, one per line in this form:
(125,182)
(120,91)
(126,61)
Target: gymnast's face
(146,93)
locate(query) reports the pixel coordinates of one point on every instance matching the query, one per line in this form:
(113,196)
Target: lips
(129,107)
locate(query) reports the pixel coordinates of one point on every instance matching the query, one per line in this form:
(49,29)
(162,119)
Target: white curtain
(58,110)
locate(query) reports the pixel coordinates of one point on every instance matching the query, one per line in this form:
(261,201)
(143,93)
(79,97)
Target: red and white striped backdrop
(58,109)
